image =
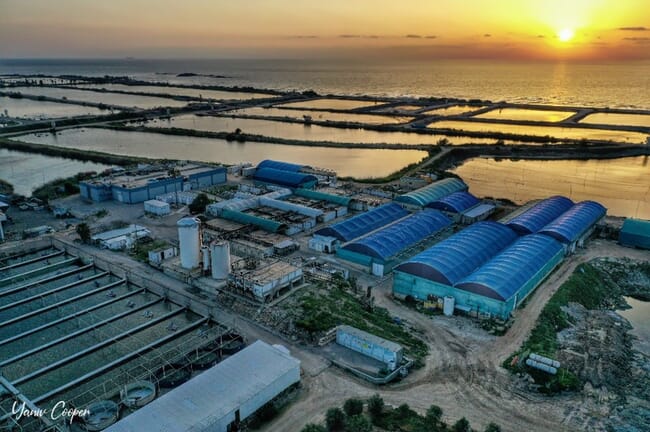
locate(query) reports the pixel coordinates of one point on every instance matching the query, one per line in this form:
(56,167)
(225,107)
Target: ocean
(616,84)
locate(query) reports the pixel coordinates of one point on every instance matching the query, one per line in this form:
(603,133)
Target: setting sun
(565,35)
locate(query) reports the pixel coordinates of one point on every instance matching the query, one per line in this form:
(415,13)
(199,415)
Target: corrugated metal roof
(540,215)
(395,238)
(434,191)
(505,274)
(245,218)
(212,394)
(131,229)
(455,203)
(364,223)
(573,223)
(635,232)
(379,341)
(321,196)
(156,203)
(454,258)
(279,165)
(283,178)
(478,210)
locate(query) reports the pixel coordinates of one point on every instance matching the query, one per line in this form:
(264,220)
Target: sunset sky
(406,29)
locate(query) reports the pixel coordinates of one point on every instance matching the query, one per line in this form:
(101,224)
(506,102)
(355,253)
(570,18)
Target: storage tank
(448,305)
(205,255)
(220,251)
(545,360)
(541,366)
(188,238)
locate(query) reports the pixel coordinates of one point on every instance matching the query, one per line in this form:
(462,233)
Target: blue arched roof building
(516,270)
(285,178)
(457,256)
(430,193)
(279,165)
(364,223)
(393,239)
(575,222)
(539,215)
(457,202)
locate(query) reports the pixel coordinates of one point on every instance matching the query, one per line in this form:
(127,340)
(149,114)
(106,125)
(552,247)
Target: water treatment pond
(302,132)
(639,317)
(178,91)
(27,171)
(347,162)
(526,114)
(33,109)
(618,119)
(622,185)
(452,110)
(339,104)
(118,99)
(556,132)
(323,115)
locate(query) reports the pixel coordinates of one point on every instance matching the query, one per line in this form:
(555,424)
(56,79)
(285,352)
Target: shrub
(375,407)
(353,407)
(335,420)
(358,423)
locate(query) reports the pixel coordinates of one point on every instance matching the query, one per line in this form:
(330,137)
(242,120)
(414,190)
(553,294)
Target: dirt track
(462,372)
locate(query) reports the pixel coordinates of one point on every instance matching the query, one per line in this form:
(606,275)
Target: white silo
(205,255)
(188,237)
(220,254)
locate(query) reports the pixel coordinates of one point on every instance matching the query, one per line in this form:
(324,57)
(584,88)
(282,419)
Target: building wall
(252,405)
(208,178)
(632,239)
(285,280)
(269,392)
(100,193)
(405,284)
(363,346)
(96,193)
(355,257)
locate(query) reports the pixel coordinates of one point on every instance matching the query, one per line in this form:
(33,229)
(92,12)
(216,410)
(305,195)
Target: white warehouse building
(159,208)
(221,397)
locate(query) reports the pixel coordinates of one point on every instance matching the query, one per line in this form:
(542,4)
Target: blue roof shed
(455,203)
(391,240)
(364,223)
(430,193)
(540,215)
(572,224)
(279,165)
(285,178)
(519,265)
(459,255)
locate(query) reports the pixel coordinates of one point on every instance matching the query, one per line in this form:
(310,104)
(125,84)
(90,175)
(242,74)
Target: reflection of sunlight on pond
(621,185)
(299,131)
(556,132)
(346,162)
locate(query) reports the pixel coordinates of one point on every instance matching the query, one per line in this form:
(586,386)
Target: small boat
(101,415)
(137,394)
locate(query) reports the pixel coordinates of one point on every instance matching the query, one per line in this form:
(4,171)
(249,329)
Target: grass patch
(141,250)
(325,308)
(61,187)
